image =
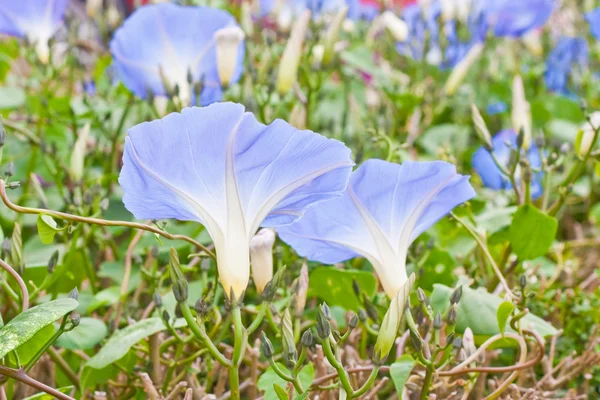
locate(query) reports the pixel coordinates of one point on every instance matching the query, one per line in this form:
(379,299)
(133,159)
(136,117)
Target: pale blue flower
(173,43)
(568,55)
(36,20)
(593,18)
(502,144)
(218,166)
(517,17)
(384,209)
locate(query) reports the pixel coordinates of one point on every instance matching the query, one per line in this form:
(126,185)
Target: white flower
(228,43)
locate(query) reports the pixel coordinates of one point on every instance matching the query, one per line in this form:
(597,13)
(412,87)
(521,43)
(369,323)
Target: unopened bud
(353,323)
(462,68)
(261,257)
(356,287)
(287,334)
(271,288)
(451,317)
(457,342)
(76,168)
(228,42)
(437,321)
(52,262)
(323,327)
(362,315)
(456,295)
(522,281)
(301,291)
(178,282)
(74,294)
(307,339)
(585,136)
(416,341)
(395,26)
(422,297)
(266,346)
(481,128)
(332,35)
(540,141)
(10,169)
(75,319)
(290,60)
(326,311)
(166,317)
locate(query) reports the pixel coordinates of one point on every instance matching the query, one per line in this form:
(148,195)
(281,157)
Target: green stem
(239,345)
(259,318)
(363,389)
(201,335)
(286,377)
(338,367)
(427,383)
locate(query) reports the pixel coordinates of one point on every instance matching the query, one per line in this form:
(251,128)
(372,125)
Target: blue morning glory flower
(36,20)
(517,17)
(568,53)
(593,18)
(172,43)
(384,209)
(357,9)
(497,107)
(219,166)
(491,175)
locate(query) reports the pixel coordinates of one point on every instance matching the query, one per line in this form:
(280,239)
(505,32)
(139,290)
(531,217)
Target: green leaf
(504,311)
(477,310)
(11,97)
(30,348)
(269,378)
(85,336)
(532,232)
(25,325)
(280,392)
(120,343)
(47,228)
(335,286)
(455,137)
(400,371)
(46,396)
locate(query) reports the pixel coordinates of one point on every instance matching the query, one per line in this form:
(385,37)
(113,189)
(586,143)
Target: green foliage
(400,371)
(532,232)
(334,286)
(24,326)
(269,379)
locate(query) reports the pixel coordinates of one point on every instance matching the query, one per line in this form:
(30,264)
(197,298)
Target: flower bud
(74,293)
(481,128)
(298,116)
(261,257)
(462,68)
(451,317)
(271,288)
(93,7)
(522,281)
(416,341)
(52,262)
(307,339)
(323,327)
(201,307)
(266,346)
(468,342)
(395,26)
(166,317)
(437,321)
(178,281)
(285,17)
(75,319)
(326,311)
(332,35)
(585,136)
(290,60)
(113,17)
(422,297)
(16,248)
(456,295)
(76,168)
(353,323)
(287,334)
(246,17)
(228,42)
(301,291)
(521,115)
(10,169)
(391,322)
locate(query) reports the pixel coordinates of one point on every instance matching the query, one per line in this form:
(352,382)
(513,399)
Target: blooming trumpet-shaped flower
(384,209)
(516,18)
(36,20)
(165,46)
(218,166)
(502,145)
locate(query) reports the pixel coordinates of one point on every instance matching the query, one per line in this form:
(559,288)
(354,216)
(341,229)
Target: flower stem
(239,346)
(338,367)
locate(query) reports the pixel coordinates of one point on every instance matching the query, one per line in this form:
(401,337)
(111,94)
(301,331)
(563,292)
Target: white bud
(93,7)
(113,17)
(285,17)
(43,50)
(288,67)
(332,35)
(461,69)
(317,55)
(585,136)
(261,257)
(78,154)
(397,28)
(521,115)
(160,104)
(228,42)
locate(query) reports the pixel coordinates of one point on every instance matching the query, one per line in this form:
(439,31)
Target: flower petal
(515,18)
(36,19)
(176,40)
(385,207)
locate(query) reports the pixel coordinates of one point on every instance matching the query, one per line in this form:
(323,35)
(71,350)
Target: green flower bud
(52,262)
(178,281)
(307,339)
(74,294)
(323,327)
(422,297)
(266,346)
(437,321)
(75,319)
(202,307)
(166,317)
(287,334)
(522,281)
(451,317)
(353,323)
(456,295)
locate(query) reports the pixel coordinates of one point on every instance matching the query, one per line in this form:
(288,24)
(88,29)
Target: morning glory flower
(516,17)
(219,166)
(568,53)
(176,46)
(36,20)
(502,144)
(384,209)
(593,18)
(357,9)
